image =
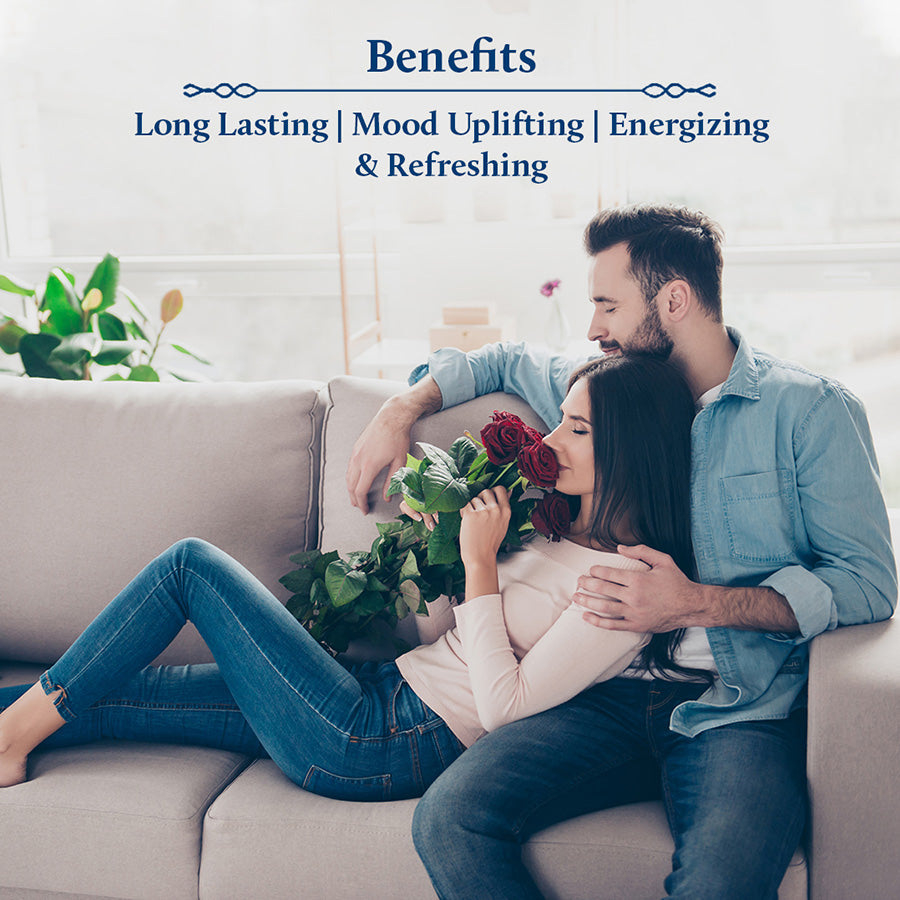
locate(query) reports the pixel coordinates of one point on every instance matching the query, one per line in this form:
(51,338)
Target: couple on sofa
(728,511)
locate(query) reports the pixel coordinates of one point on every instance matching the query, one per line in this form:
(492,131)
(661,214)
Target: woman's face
(573,443)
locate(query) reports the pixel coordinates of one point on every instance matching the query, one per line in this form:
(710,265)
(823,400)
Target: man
(790,537)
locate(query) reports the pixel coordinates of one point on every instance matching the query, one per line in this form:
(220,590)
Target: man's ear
(677,300)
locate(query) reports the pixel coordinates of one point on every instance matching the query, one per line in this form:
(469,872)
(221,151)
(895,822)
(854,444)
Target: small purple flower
(548,287)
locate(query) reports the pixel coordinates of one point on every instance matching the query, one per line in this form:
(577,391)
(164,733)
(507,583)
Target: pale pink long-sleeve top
(524,650)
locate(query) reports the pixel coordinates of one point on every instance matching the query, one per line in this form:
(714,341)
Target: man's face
(623,320)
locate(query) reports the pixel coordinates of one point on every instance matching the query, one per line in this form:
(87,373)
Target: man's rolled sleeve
(810,599)
(452,373)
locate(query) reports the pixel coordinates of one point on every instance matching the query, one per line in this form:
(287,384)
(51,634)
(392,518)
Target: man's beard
(650,337)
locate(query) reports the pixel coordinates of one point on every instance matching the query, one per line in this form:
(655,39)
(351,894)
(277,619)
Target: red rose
(551,516)
(502,437)
(537,462)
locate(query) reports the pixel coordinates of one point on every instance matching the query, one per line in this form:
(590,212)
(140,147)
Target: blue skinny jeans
(358,734)
(735,796)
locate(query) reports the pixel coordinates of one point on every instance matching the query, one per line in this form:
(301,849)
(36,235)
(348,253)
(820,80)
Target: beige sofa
(98,478)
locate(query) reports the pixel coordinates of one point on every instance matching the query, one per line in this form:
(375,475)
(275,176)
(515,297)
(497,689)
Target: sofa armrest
(854,760)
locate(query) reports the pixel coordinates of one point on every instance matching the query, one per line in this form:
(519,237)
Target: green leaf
(111,353)
(344,583)
(192,355)
(298,582)
(443,544)
(410,567)
(111,327)
(463,451)
(63,305)
(35,350)
(443,491)
(15,287)
(371,602)
(375,584)
(408,482)
(437,455)
(75,349)
(305,557)
(319,594)
(324,561)
(105,278)
(137,332)
(411,595)
(143,373)
(11,332)
(388,528)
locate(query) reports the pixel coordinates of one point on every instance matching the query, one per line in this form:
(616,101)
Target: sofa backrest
(98,478)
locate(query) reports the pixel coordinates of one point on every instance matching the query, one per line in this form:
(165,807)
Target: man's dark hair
(641,415)
(664,242)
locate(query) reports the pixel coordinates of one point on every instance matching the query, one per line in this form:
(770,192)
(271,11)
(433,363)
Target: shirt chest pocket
(760,516)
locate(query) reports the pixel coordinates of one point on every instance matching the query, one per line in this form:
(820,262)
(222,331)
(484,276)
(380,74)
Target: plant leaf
(408,482)
(15,287)
(343,582)
(75,349)
(437,455)
(443,492)
(410,567)
(111,353)
(464,451)
(172,304)
(61,301)
(111,327)
(443,544)
(105,278)
(190,353)
(35,350)
(305,557)
(143,373)
(299,581)
(11,332)
(411,595)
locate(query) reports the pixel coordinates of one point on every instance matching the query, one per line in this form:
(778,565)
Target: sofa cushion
(101,477)
(265,837)
(112,819)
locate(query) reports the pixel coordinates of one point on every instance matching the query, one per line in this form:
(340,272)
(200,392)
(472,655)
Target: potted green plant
(66,333)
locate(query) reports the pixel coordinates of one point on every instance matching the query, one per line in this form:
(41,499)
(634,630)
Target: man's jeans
(735,796)
(360,734)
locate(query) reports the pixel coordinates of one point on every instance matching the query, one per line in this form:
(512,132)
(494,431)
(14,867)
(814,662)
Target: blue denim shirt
(785,492)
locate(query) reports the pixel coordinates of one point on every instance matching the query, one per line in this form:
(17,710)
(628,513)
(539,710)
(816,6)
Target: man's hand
(385,440)
(657,599)
(663,598)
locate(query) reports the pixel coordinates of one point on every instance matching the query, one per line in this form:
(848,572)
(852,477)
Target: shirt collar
(743,380)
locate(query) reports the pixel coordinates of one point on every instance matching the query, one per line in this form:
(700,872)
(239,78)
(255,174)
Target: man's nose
(596,331)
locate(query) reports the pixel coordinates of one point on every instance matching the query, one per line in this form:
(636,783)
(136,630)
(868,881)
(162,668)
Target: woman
(382,731)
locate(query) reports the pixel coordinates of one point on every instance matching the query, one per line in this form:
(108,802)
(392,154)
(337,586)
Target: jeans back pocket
(340,787)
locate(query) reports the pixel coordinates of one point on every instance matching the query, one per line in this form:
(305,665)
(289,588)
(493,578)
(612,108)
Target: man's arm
(630,601)
(454,377)
(385,440)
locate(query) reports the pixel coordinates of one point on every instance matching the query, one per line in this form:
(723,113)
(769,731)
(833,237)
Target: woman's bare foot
(23,726)
(12,771)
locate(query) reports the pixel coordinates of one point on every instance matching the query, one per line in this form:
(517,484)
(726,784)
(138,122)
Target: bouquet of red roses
(511,454)
(365,593)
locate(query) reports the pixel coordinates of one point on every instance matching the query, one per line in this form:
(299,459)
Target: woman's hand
(430,519)
(484,522)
